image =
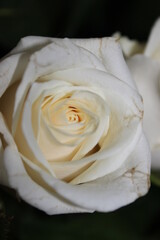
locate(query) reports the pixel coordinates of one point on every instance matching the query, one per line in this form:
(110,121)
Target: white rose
(71,126)
(145,69)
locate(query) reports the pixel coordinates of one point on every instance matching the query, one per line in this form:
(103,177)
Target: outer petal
(13,174)
(109,51)
(112,191)
(123,186)
(12,66)
(146,73)
(11,70)
(108,165)
(106,49)
(31,44)
(153,45)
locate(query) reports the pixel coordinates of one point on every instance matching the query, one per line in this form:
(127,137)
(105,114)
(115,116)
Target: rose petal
(108,165)
(24,135)
(109,51)
(101,83)
(43,139)
(124,185)
(31,44)
(11,70)
(146,74)
(13,65)
(35,91)
(102,112)
(106,49)
(52,149)
(30,191)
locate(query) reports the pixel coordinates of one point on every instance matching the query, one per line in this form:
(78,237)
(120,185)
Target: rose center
(72,115)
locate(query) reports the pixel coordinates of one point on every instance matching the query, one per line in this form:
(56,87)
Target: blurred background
(78,19)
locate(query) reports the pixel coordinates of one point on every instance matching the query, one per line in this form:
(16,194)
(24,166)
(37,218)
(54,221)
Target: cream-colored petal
(108,165)
(119,140)
(51,148)
(13,65)
(101,109)
(152,49)
(120,143)
(109,51)
(93,106)
(15,176)
(106,49)
(11,70)
(67,171)
(126,114)
(112,191)
(31,44)
(25,138)
(28,134)
(116,94)
(36,95)
(127,183)
(101,83)
(146,74)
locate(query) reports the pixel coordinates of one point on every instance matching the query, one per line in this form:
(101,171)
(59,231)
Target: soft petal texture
(146,73)
(106,49)
(113,88)
(124,185)
(110,53)
(10,70)
(12,66)
(71,134)
(29,190)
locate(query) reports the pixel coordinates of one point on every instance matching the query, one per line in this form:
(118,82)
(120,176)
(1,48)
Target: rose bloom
(144,64)
(71,126)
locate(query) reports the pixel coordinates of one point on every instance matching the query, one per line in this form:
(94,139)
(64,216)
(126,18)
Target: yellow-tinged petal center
(70,127)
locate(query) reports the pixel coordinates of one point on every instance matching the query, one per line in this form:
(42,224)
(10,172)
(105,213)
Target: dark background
(77,19)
